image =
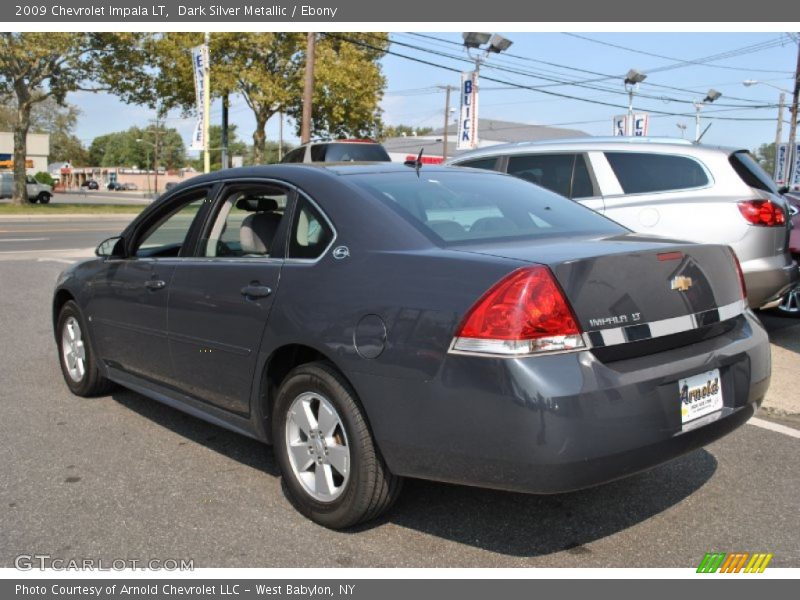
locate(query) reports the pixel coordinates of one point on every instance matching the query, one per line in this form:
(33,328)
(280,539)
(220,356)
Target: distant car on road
(378,321)
(338,151)
(37,192)
(668,187)
(91,184)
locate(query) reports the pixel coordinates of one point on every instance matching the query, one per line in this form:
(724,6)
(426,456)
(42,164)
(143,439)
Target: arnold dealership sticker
(700,395)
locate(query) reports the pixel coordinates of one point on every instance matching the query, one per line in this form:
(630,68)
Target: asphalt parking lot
(122,476)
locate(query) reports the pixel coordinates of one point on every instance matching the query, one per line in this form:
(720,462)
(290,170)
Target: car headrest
(257,232)
(256,204)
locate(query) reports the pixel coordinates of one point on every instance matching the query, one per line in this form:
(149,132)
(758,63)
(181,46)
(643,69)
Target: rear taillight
(762,212)
(524,313)
(740,272)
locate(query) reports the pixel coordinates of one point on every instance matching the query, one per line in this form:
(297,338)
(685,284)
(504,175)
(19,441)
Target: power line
(683,62)
(523,86)
(603,76)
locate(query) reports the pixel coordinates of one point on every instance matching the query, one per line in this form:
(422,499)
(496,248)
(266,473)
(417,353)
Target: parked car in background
(790,303)
(338,151)
(379,321)
(115,186)
(666,187)
(169,185)
(91,184)
(130,187)
(37,192)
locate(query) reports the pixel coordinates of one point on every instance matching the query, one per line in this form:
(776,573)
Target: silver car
(666,187)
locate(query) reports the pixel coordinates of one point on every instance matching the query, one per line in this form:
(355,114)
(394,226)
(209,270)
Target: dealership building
(36,158)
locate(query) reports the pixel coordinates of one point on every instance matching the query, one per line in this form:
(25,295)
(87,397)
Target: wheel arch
(61,297)
(280,362)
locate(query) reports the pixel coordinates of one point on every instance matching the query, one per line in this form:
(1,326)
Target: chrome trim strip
(617,335)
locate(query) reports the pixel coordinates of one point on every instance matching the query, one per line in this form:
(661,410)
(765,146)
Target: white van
(37,192)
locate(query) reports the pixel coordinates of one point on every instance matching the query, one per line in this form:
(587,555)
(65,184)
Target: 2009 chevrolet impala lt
(374,322)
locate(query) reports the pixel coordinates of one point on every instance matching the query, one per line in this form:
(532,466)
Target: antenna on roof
(697,141)
(417,163)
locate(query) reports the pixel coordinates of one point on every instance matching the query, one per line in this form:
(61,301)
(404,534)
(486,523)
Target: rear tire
(332,469)
(44,198)
(32,199)
(78,363)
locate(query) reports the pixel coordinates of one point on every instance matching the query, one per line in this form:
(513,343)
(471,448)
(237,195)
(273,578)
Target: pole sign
(641,124)
(620,125)
(468,123)
(781,164)
(794,177)
(199,62)
(638,128)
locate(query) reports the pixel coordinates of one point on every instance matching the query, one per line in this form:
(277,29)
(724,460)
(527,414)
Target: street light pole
(447,89)
(207,105)
(779,127)
(711,96)
(632,80)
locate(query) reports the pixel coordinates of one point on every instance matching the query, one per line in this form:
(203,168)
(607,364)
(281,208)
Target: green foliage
(236,147)
(124,148)
(45,178)
(765,155)
(266,69)
(37,66)
(392,131)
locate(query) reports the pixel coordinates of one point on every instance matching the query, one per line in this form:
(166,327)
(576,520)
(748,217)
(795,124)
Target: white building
(38,151)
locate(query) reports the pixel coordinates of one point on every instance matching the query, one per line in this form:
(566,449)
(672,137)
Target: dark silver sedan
(375,322)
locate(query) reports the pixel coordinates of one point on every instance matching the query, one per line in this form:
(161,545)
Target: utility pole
(308,92)
(207,105)
(793,119)
(447,89)
(779,128)
(225,163)
(280,135)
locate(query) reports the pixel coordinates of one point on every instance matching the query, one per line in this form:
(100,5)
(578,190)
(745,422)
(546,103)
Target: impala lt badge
(680,283)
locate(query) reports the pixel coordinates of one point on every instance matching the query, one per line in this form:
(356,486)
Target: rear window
(490,164)
(564,174)
(353,151)
(459,206)
(751,172)
(640,173)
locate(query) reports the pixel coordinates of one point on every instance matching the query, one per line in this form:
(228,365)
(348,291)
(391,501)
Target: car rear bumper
(561,422)
(769,279)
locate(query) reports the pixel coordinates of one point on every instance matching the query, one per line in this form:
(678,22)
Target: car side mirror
(111,247)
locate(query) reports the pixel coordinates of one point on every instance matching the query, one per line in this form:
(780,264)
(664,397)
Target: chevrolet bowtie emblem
(681,283)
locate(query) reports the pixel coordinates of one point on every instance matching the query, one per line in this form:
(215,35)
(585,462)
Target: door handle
(155,284)
(256,291)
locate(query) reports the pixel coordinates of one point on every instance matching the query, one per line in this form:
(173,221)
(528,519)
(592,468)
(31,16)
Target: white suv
(666,187)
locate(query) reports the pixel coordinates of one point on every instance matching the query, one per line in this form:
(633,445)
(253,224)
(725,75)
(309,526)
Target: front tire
(44,198)
(332,469)
(78,363)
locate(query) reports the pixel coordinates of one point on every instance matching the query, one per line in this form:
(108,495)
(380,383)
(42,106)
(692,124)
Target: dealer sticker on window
(700,395)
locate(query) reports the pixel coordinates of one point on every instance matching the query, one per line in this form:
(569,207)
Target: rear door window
(641,173)
(565,174)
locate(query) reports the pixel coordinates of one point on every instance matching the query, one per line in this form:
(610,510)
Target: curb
(68,217)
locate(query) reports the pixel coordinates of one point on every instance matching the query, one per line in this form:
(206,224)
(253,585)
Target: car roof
(589,143)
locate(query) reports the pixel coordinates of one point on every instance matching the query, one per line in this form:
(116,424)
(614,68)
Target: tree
(134,147)
(37,66)
(391,131)
(56,120)
(765,155)
(236,147)
(266,70)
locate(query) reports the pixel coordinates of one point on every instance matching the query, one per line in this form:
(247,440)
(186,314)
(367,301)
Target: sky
(588,67)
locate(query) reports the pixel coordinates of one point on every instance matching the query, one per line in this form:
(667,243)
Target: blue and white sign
(794,178)
(620,125)
(199,62)
(781,164)
(468,121)
(637,125)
